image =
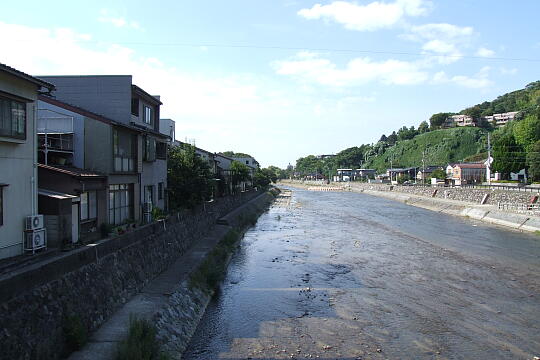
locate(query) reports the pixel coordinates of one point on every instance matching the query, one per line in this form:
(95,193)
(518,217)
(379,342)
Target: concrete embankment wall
(178,319)
(40,302)
(453,201)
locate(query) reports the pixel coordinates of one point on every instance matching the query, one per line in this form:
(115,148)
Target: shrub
(141,343)
(75,333)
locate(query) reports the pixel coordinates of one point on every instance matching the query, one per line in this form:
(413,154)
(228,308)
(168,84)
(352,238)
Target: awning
(57,195)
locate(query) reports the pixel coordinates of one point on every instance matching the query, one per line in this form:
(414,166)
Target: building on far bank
(18,161)
(458,120)
(501,119)
(468,173)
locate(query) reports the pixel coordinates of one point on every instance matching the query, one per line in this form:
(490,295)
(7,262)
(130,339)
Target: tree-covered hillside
(515,146)
(525,100)
(438,147)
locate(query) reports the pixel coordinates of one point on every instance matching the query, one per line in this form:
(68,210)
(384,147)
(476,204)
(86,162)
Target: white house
(18,144)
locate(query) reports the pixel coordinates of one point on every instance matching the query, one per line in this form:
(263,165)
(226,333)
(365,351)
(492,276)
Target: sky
(281,79)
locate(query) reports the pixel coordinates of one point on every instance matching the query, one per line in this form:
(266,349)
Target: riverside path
(330,275)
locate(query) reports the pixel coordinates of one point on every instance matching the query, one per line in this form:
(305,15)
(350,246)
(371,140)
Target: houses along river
(350,276)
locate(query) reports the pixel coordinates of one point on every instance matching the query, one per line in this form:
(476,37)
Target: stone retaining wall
(178,319)
(92,282)
(460,194)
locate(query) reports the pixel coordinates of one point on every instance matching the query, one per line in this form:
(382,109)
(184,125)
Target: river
(335,275)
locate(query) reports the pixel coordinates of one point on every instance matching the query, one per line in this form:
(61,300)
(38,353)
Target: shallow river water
(333,275)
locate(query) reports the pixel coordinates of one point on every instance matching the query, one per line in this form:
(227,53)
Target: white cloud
(441,30)
(484,52)
(118,21)
(505,71)
(370,17)
(444,41)
(312,68)
(216,110)
(479,81)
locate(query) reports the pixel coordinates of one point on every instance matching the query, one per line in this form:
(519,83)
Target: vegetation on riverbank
(141,343)
(211,272)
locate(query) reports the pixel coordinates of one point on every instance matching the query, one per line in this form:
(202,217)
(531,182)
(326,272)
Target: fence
(530,209)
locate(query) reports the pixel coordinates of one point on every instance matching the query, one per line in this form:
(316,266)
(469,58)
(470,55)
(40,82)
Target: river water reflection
(347,276)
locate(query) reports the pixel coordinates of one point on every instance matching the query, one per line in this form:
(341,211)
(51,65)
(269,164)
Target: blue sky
(284,79)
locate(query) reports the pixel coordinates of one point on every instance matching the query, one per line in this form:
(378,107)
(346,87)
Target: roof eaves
(27,77)
(146,95)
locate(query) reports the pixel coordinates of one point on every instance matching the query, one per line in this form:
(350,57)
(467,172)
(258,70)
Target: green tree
(474,111)
(436,120)
(527,131)
(423,127)
(189,180)
(508,155)
(240,172)
(533,161)
(309,165)
(392,138)
(238,154)
(263,177)
(438,174)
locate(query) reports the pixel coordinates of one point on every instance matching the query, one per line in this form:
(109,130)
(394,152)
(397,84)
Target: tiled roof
(27,77)
(471,166)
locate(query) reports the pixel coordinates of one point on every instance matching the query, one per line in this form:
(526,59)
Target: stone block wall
(460,194)
(92,282)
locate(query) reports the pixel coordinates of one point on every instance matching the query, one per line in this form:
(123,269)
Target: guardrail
(502,187)
(531,209)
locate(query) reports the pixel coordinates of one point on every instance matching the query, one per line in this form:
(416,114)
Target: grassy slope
(442,147)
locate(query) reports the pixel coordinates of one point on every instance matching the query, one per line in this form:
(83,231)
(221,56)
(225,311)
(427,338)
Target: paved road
(351,276)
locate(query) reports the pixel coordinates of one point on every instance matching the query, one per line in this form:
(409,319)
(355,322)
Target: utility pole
(424,167)
(391,167)
(488,166)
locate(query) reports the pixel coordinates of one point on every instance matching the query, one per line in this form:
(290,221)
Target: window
(120,203)
(124,152)
(149,194)
(88,205)
(12,118)
(160,191)
(149,149)
(135,106)
(148,117)
(247,162)
(161,150)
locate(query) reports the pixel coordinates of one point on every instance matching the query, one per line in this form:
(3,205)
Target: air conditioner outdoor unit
(34,222)
(35,239)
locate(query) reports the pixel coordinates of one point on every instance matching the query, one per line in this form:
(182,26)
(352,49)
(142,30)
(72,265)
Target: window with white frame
(88,205)
(120,203)
(12,118)
(148,115)
(124,151)
(149,149)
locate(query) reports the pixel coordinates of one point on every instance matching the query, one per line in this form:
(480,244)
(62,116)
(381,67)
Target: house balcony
(55,138)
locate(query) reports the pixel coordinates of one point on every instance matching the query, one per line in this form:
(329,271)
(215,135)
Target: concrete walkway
(104,342)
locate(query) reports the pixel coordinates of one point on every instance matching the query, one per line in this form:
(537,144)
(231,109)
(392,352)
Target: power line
(268,47)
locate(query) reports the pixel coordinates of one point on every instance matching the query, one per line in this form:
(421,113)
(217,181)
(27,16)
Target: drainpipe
(34,160)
